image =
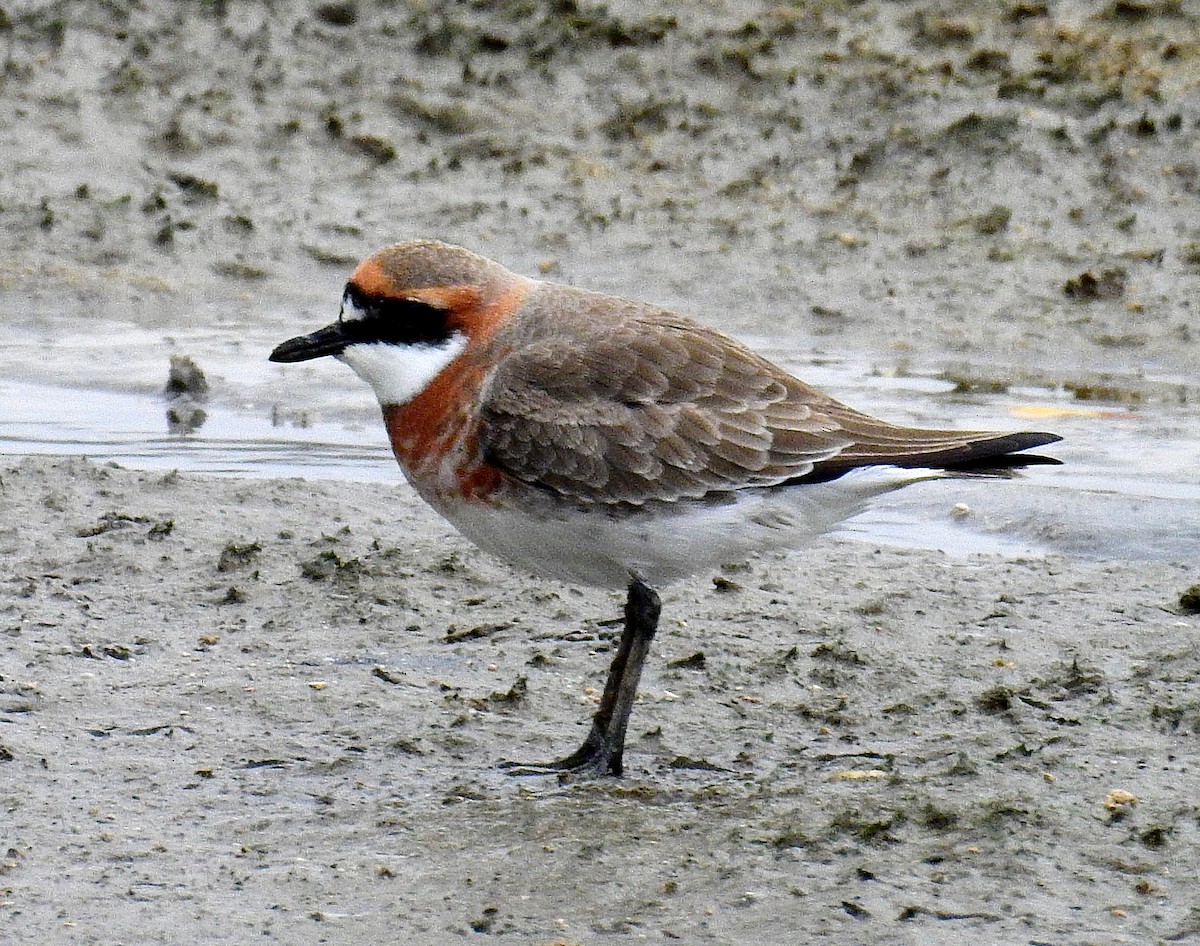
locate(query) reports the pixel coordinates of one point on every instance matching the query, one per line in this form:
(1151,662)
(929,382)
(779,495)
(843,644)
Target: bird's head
(408,311)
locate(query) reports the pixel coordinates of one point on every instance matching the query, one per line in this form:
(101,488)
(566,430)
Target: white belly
(601,546)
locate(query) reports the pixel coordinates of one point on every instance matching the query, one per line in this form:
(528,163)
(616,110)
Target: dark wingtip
(984,454)
(1004,465)
(1027,439)
(1003,455)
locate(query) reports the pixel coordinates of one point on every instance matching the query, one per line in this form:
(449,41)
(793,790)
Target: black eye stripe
(394,321)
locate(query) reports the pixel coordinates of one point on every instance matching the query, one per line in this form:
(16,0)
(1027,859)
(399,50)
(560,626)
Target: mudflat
(238,710)
(276,708)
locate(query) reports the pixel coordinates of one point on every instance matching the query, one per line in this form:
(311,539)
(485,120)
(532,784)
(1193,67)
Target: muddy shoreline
(251,708)
(237,710)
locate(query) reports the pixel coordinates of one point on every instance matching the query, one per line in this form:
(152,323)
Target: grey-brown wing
(664,409)
(651,410)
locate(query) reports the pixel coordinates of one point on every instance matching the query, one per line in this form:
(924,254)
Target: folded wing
(664,409)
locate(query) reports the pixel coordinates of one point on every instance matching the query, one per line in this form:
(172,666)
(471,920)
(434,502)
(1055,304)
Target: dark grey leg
(604,746)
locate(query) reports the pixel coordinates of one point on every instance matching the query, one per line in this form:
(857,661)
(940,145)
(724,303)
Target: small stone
(184,377)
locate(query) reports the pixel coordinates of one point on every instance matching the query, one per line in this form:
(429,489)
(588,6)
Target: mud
(247,710)
(276,709)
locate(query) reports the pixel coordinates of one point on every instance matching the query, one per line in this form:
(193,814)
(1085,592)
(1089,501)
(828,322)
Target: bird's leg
(605,743)
(642,607)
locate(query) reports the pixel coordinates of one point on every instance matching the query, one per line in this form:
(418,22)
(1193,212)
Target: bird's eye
(374,319)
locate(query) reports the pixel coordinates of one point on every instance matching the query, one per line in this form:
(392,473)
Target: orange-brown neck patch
(481,314)
(435,436)
(370,278)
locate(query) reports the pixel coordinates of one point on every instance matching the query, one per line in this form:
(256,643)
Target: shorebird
(608,442)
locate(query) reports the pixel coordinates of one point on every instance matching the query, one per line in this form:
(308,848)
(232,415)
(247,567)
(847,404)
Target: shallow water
(1127,489)
(134,431)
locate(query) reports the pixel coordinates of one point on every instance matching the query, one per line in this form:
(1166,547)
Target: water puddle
(1128,488)
(134,431)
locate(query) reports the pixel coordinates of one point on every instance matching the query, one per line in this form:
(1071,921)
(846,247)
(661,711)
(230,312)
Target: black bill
(330,340)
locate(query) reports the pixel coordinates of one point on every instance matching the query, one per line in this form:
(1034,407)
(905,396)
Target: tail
(967,453)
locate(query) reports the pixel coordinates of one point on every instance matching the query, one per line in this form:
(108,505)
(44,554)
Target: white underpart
(398,373)
(669,541)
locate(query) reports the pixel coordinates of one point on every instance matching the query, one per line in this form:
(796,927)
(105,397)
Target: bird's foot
(595,756)
(602,750)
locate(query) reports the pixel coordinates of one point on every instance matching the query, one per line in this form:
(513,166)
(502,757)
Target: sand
(246,710)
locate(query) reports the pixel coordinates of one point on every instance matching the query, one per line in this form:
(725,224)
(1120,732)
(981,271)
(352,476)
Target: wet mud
(277,708)
(272,710)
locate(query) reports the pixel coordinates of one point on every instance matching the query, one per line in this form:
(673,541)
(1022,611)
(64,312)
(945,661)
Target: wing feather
(648,405)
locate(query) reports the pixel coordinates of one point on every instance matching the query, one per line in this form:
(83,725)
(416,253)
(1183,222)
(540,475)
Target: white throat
(398,373)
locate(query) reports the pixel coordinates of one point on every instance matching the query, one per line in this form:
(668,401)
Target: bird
(611,443)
